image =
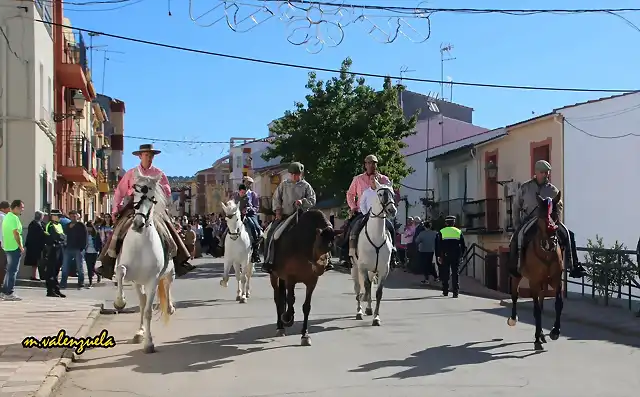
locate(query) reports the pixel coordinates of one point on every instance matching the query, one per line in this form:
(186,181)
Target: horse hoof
(172,310)
(119,305)
(543,339)
(287,322)
(368,311)
(512,321)
(305,341)
(238,298)
(537,346)
(242,300)
(554,334)
(359,316)
(280,333)
(150,349)
(224,283)
(376,322)
(137,338)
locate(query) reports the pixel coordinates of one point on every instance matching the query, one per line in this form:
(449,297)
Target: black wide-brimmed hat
(147,147)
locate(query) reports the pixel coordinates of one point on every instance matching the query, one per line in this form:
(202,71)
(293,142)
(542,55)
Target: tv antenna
(104,63)
(404,69)
(445,55)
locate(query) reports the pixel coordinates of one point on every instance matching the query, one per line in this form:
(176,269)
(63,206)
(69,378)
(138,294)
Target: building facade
(27,132)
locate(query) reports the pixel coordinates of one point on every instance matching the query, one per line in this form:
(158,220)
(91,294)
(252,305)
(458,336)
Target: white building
(601,140)
(27,132)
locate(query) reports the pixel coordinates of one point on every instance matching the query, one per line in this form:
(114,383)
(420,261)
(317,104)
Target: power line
(321,69)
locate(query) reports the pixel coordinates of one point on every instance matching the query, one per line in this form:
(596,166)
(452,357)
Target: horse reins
(383,215)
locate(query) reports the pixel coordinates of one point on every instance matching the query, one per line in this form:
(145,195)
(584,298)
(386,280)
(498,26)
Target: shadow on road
(570,329)
(214,270)
(446,358)
(202,352)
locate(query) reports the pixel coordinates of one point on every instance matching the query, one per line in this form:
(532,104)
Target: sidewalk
(25,372)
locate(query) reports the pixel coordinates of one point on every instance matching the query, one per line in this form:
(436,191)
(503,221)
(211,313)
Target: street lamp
(78,103)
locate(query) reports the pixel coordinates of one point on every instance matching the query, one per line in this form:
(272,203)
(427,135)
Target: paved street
(426,344)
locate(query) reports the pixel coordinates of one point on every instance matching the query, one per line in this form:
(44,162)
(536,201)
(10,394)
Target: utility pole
(92,48)
(445,55)
(104,64)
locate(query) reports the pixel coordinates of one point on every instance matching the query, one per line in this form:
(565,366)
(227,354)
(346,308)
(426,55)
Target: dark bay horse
(543,266)
(301,256)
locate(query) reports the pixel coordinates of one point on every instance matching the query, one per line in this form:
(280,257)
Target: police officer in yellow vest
(450,248)
(54,243)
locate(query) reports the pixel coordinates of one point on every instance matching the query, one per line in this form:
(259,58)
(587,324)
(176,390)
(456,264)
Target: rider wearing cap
(55,240)
(248,203)
(524,207)
(358,186)
(291,194)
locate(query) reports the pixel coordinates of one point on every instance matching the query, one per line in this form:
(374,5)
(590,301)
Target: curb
(624,331)
(56,376)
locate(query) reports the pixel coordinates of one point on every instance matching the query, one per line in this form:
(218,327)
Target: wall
(236,160)
(27,148)
(600,190)
(455,166)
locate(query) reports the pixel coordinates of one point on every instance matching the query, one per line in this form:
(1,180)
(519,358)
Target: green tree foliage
(342,121)
(608,269)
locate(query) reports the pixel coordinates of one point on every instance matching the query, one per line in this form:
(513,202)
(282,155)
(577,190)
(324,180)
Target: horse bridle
(144,190)
(388,199)
(234,235)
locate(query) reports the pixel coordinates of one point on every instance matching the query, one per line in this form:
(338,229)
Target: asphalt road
(427,345)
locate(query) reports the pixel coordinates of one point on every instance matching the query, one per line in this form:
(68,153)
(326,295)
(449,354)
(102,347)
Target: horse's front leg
(225,273)
(289,315)
(247,278)
(376,313)
(120,302)
(239,284)
(306,309)
(515,285)
(279,297)
(150,289)
(537,314)
(355,275)
(555,331)
(138,337)
(367,294)
(171,277)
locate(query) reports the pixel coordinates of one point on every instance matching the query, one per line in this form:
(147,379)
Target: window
(49,94)
(44,8)
(44,190)
(539,152)
(444,196)
(41,86)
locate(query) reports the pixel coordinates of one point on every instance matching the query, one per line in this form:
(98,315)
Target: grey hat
(417,219)
(450,218)
(296,168)
(542,166)
(55,213)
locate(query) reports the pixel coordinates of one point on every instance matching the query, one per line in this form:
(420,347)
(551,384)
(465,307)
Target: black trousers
(53,266)
(91,264)
(429,268)
(449,273)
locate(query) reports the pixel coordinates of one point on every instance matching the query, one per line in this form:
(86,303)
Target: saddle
(125,220)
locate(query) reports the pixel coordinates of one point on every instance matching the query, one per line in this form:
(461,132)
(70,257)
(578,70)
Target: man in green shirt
(12,243)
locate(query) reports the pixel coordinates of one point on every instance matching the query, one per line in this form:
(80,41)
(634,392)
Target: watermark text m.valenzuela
(64,341)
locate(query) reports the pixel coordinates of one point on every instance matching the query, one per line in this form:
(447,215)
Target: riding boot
(576,270)
(393,262)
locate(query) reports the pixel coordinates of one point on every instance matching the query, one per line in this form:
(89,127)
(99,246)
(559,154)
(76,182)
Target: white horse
(237,252)
(371,264)
(142,257)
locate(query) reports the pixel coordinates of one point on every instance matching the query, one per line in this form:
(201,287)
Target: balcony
(72,74)
(265,206)
(482,216)
(78,166)
(455,207)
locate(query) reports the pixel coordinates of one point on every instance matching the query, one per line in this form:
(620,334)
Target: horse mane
(301,237)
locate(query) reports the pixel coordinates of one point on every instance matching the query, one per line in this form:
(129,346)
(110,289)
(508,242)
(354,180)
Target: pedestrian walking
(55,240)
(94,246)
(13,247)
(426,242)
(76,243)
(450,248)
(34,245)
(4,209)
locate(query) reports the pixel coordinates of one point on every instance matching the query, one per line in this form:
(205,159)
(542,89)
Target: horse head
(385,204)
(322,247)
(234,221)
(146,194)
(547,214)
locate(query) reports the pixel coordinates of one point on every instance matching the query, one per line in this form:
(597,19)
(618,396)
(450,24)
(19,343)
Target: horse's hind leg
(515,285)
(306,309)
(142,296)
(150,289)
(239,284)
(357,287)
(376,313)
(279,297)
(248,275)
(288,317)
(170,277)
(555,331)
(120,302)
(367,295)
(537,314)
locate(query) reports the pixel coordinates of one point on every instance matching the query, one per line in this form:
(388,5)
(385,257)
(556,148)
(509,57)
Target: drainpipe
(4,71)
(58,47)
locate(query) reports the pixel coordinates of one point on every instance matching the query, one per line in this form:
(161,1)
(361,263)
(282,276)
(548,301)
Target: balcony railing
(482,215)
(80,154)
(453,207)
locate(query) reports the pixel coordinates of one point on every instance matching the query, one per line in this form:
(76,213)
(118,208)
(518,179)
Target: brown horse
(542,265)
(301,256)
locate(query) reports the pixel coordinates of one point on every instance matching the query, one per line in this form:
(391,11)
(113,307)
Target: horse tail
(164,300)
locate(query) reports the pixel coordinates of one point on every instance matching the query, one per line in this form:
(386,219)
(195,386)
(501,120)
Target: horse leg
(306,309)
(138,337)
(289,315)
(555,331)
(279,296)
(225,274)
(248,275)
(171,276)
(367,295)
(120,302)
(376,313)
(150,289)
(537,314)
(515,285)
(357,286)
(239,282)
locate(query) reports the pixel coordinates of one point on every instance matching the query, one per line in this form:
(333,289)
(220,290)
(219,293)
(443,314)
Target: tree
(342,121)
(609,269)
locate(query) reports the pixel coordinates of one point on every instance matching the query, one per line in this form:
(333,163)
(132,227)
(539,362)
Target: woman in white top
(368,196)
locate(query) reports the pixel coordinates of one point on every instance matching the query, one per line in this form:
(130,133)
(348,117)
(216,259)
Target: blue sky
(183,96)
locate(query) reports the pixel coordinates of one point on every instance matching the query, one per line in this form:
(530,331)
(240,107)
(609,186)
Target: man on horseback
(524,207)
(355,193)
(290,195)
(123,210)
(248,203)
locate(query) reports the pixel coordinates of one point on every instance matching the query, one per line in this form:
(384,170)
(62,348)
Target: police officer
(55,240)
(450,248)
(524,207)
